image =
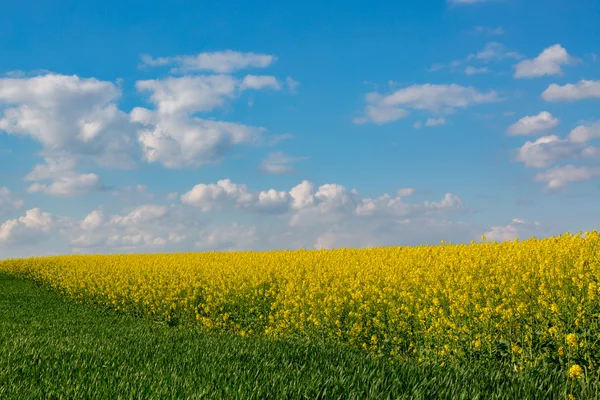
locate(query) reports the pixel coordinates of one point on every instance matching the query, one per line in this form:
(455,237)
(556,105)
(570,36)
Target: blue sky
(145,126)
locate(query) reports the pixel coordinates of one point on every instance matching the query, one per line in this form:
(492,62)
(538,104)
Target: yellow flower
(575,371)
(571,340)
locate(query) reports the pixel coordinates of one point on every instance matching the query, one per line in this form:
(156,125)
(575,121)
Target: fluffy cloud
(517,228)
(69,186)
(226,194)
(279,163)
(72,117)
(173,136)
(179,141)
(547,150)
(570,92)
(382,109)
(147,227)
(549,62)
(28,229)
(189,94)
(550,149)
(558,177)
(220,61)
(531,124)
(307,205)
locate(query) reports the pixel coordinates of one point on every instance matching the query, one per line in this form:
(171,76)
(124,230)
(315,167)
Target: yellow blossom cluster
(525,302)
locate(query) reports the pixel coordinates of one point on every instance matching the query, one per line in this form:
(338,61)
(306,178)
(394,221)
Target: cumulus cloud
(548,62)
(547,150)
(178,141)
(172,135)
(189,94)
(382,109)
(260,82)
(279,163)
(517,228)
(27,229)
(584,89)
(146,227)
(219,61)
(73,118)
(532,124)
(550,149)
(557,177)
(69,186)
(307,205)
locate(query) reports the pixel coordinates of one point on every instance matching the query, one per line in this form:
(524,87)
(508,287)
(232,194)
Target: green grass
(51,347)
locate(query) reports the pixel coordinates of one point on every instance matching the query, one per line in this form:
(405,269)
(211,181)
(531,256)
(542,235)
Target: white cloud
(144,228)
(27,229)
(493,51)
(517,228)
(278,163)
(260,82)
(544,121)
(470,70)
(69,186)
(8,202)
(308,206)
(93,220)
(550,149)
(549,62)
(220,61)
(75,119)
(179,141)
(226,194)
(584,133)
(435,121)
(584,89)
(558,177)
(188,94)
(173,136)
(381,109)
(142,214)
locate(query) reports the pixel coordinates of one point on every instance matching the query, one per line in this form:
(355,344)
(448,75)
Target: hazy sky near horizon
(227,125)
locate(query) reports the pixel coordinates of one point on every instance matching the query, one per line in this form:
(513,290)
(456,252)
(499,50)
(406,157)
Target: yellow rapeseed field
(525,302)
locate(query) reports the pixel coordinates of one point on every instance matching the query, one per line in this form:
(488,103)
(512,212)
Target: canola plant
(524,302)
